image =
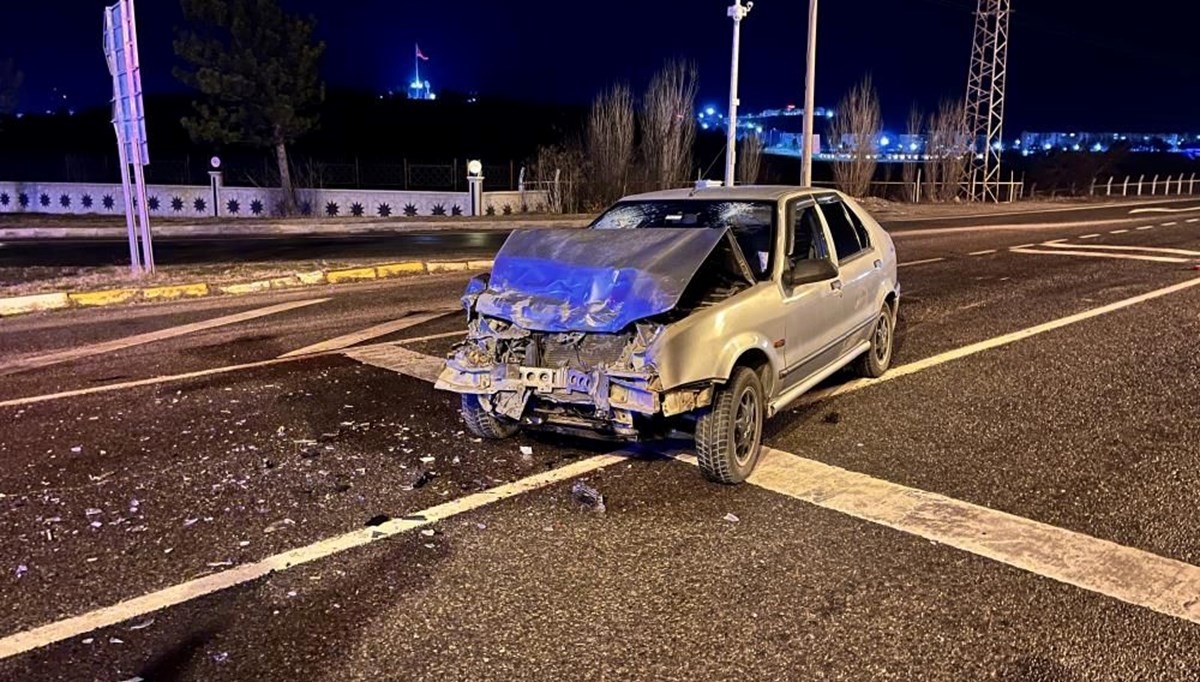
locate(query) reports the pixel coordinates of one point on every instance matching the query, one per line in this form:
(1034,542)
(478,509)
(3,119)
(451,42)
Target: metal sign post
(129,122)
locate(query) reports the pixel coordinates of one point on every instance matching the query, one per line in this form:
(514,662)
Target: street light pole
(810,86)
(737,12)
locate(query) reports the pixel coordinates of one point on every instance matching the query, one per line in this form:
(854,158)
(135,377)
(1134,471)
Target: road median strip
(59,300)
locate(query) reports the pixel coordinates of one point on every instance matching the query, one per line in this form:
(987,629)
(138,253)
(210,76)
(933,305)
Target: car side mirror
(809,271)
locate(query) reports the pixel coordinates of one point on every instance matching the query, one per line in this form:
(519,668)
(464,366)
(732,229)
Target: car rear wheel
(729,434)
(878,357)
(483,423)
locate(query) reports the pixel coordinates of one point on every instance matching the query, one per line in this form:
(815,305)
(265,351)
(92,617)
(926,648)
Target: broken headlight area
(607,377)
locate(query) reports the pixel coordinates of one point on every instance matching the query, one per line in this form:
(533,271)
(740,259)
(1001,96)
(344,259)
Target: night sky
(1074,64)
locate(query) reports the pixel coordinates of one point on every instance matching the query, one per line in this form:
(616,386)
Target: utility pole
(737,12)
(985,96)
(810,96)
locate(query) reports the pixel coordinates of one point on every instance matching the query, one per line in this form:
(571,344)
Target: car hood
(594,280)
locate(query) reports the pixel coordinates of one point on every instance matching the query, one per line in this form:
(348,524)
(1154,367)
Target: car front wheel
(729,434)
(483,423)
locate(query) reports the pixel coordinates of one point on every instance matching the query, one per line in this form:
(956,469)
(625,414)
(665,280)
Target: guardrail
(1155,186)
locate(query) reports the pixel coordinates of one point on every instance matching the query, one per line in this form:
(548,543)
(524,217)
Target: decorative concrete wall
(197,201)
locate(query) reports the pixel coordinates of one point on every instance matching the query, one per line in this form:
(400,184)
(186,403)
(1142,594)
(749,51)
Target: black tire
(485,424)
(878,358)
(728,440)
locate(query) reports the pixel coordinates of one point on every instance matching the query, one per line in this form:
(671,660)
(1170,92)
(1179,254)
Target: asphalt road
(399,245)
(1010,406)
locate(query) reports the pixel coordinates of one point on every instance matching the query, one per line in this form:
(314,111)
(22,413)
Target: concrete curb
(60,300)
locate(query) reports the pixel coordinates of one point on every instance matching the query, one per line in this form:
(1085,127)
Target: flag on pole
(421,56)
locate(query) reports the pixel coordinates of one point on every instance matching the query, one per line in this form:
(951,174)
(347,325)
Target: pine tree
(257,69)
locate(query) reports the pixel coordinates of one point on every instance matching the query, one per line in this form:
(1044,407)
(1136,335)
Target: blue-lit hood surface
(593,280)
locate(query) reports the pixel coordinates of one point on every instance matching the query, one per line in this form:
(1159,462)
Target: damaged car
(705,310)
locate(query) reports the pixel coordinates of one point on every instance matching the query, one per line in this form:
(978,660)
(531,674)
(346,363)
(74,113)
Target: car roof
(735,193)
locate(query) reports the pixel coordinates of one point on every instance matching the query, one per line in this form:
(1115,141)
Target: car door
(812,309)
(858,266)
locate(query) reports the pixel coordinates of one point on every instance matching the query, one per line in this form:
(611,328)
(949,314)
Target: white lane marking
(16,402)
(1130,575)
(995,342)
(1016,227)
(1166,210)
(1086,236)
(1063,209)
(1021,246)
(57,357)
(1117,231)
(369,333)
(1095,254)
(434,337)
(1193,220)
(982,253)
(400,360)
(1147,227)
(36,638)
(1115,247)
(1171,224)
(920,262)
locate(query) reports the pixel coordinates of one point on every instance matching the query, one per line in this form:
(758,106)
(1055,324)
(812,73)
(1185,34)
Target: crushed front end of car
(564,335)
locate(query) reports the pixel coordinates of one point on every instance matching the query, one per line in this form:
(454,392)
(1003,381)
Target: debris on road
(428,460)
(526,451)
(732,518)
(278,525)
(219,564)
(833,418)
(220,656)
(21,571)
(143,625)
(425,477)
(378,520)
(588,497)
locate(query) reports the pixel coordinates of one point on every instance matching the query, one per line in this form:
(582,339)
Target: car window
(846,237)
(808,237)
(751,222)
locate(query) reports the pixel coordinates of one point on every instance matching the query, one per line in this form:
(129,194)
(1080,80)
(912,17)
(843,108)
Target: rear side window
(849,234)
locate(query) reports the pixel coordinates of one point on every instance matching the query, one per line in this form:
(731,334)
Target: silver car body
(579,380)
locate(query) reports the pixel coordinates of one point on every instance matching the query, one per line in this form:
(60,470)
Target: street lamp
(737,12)
(810,85)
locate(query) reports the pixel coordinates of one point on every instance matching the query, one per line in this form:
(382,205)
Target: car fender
(685,354)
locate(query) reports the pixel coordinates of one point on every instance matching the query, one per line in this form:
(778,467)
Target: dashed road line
(434,337)
(1145,227)
(1086,236)
(369,333)
(982,253)
(1193,220)
(1171,224)
(920,262)
(36,638)
(1097,254)
(57,357)
(1117,231)
(1115,247)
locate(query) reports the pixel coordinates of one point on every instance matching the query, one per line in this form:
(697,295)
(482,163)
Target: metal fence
(1155,186)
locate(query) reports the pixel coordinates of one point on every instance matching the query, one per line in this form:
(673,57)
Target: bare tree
(908,173)
(750,151)
(857,125)
(668,127)
(948,151)
(558,169)
(610,145)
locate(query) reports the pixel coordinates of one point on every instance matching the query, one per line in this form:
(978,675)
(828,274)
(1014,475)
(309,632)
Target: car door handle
(878,264)
(836,285)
